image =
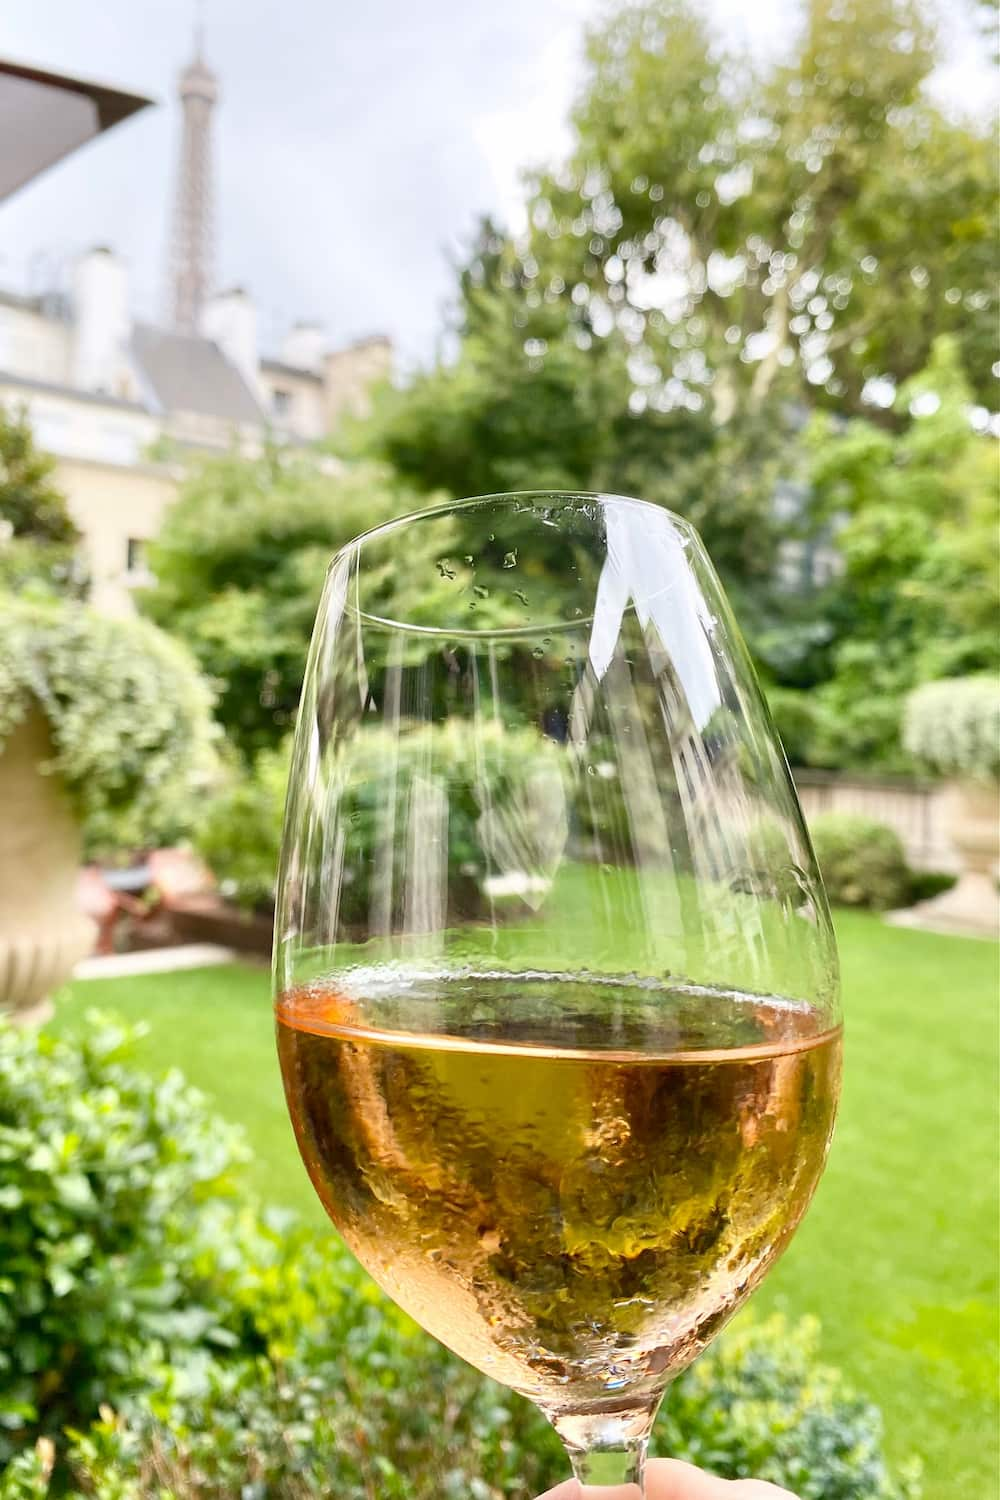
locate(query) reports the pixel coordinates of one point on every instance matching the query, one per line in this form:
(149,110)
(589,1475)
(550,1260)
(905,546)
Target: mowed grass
(899,1254)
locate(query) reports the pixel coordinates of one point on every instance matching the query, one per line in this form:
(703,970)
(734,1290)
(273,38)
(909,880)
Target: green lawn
(899,1254)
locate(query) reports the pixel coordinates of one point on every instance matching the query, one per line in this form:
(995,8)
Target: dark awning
(44,116)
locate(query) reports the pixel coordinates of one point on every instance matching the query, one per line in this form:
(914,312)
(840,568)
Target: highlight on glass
(555,980)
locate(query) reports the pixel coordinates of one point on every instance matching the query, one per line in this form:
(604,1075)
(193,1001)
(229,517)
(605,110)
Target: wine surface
(575,1219)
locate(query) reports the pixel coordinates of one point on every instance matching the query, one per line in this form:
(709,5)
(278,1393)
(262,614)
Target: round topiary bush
(128,714)
(953,726)
(862,861)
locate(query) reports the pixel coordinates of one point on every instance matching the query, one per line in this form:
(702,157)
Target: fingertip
(666,1479)
(670,1479)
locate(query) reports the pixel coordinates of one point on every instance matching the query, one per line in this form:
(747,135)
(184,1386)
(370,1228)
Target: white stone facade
(107,397)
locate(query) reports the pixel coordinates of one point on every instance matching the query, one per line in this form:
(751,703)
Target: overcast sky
(356,143)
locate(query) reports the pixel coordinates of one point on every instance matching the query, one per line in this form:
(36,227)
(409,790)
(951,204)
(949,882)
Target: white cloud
(533,128)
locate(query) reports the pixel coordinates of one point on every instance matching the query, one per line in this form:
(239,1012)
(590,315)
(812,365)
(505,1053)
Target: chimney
(349,375)
(304,348)
(230,320)
(103,325)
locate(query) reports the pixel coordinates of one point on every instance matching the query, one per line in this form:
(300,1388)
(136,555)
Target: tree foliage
(239,566)
(917,520)
(758,294)
(727,248)
(38,539)
(811,225)
(533,403)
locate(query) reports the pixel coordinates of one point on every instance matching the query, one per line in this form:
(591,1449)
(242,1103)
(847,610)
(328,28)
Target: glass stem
(608,1451)
(618,1468)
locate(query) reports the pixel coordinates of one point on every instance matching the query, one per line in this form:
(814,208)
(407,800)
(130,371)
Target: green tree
(814,225)
(38,540)
(724,248)
(239,566)
(917,513)
(532,401)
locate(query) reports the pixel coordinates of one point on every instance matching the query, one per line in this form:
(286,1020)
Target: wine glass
(555,979)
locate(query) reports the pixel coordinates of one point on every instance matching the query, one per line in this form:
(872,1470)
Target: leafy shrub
(361,1424)
(862,861)
(106,1248)
(954,726)
(239,833)
(794,713)
(239,566)
(41,570)
(27,1475)
(759,1404)
(129,716)
(926,884)
(38,540)
(203,1350)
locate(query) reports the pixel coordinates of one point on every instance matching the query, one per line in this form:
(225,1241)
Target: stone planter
(42,931)
(972,818)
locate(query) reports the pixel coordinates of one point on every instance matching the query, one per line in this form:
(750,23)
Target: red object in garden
(176,873)
(104,905)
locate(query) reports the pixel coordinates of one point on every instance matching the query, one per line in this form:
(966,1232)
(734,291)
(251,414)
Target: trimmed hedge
(862,861)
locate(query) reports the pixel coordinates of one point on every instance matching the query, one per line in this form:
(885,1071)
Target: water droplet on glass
(445,568)
(480,590)
(521,596)
(491,537)
(591,770)
(538,652)
(468,557)
(510,558)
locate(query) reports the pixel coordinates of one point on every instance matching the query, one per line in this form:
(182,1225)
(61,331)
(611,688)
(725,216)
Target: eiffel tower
(191,245)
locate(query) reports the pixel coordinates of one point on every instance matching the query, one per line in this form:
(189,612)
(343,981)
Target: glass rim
(498,498)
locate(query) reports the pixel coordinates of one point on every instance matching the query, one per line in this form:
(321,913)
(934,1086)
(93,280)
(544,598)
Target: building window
(281,401)
(135,555)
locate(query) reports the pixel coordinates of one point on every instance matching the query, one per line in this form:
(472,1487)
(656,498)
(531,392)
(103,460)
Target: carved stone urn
(42,931)
(972,811)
